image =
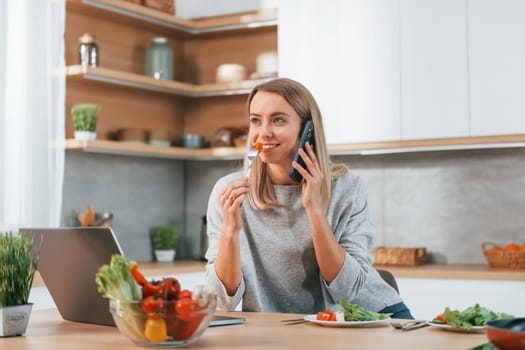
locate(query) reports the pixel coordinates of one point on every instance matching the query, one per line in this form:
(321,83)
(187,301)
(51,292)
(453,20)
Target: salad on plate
(472,319)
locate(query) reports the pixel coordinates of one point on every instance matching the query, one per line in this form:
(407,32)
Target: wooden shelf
(142,82)
(231,153)
(245,20)
(132,149)
(429,145)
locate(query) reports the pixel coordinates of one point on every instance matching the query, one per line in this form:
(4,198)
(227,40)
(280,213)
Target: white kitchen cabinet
(497,66)
(403,70)
(347,54)
(427,298)
(434,81)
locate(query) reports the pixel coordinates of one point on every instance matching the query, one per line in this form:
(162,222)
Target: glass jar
(159,59)
(88,50)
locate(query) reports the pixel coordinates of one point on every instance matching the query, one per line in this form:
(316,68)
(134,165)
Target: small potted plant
(164,241)
(18,263)
(85,120)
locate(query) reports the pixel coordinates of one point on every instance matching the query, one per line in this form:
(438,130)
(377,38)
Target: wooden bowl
(507,334)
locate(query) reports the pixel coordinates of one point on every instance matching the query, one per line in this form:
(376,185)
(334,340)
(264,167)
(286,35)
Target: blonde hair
(262,195)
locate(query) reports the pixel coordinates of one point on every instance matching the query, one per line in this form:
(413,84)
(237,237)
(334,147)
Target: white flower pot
(85,135)
(165,255)
(14,319)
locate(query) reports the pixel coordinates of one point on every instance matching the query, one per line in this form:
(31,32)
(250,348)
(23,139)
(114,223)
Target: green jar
(159,59)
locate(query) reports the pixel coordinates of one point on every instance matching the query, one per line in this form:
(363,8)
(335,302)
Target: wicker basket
(501,258)
(397,256)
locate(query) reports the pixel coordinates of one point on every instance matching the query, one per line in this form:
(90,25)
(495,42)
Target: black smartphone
(307,135)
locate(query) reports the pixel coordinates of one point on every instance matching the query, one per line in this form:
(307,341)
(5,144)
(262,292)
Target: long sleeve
(214,225)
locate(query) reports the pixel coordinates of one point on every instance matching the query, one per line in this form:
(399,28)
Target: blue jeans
(399,310)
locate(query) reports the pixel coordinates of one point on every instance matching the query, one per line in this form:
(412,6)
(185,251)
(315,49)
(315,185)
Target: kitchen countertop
(433,271)
(47,330)
(456,271)
(156,269)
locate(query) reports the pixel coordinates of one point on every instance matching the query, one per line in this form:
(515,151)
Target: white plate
(474,329)
(360,324)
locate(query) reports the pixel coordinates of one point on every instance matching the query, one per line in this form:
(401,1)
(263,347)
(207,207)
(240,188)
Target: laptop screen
(69,261)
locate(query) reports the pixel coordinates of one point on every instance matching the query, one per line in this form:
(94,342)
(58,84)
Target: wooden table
(264,331)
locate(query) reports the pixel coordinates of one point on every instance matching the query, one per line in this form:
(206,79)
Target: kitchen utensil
(159,59)
(252,153)
(105,219)
(408,325)
(229,73)
(88,50)
(507,333)
(192,141)
(182,329)
(294,321)
(160,138)
(267,62)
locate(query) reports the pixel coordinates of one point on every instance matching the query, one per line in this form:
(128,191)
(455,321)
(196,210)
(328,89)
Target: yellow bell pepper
(155,330)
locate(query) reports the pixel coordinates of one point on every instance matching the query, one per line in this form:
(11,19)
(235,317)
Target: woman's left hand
(312,177)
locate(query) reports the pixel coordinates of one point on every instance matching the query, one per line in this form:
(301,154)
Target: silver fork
(250,156)
(294,321)
(409,325)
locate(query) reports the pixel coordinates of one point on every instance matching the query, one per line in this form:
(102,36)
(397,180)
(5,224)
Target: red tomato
(172,288)
(183,307)
(183,294)
(186,319)
(152,303)
(323,316)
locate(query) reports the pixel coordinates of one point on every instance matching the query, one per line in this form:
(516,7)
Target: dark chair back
(389,278)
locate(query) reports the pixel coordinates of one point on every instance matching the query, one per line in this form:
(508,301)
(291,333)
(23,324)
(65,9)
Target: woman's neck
(279,175)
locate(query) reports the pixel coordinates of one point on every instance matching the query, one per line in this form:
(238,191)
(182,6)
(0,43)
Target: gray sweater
(279,269)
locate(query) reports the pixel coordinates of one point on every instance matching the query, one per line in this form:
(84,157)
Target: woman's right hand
(230,200)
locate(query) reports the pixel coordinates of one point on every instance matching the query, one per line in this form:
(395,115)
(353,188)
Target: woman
(284,247)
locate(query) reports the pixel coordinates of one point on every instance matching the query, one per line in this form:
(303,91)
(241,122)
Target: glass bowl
(168,326)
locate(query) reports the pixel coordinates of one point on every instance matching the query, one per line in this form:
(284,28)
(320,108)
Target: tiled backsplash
(449,201)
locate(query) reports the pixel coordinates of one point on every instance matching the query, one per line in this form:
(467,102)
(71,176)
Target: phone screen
(306,135)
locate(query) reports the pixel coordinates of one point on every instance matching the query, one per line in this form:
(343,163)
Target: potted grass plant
(85,120)
(164,241)
(18,264)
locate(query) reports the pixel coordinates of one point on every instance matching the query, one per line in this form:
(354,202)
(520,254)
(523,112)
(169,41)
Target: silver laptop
(69,261)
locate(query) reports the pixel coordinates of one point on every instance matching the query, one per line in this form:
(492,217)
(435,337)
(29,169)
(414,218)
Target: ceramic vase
(14,319)
(165,255)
